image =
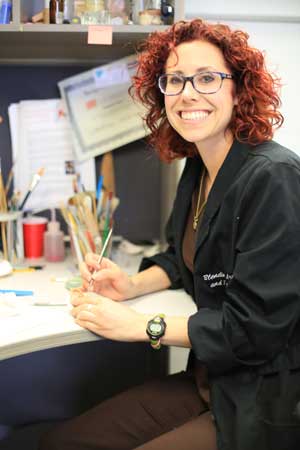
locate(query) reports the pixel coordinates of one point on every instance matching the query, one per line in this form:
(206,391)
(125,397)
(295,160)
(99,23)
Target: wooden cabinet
(23,42)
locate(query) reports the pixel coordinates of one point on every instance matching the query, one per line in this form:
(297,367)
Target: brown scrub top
(188,252)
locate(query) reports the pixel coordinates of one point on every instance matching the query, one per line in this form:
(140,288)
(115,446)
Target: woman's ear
(235,100)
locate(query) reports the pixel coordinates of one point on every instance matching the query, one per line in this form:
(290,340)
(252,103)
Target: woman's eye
(205,78)
(175,80)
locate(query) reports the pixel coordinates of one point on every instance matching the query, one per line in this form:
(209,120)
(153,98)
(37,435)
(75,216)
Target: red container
(33,234)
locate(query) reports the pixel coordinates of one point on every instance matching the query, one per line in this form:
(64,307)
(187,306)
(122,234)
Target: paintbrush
(3,208)
(100,257)
(35,180)
(3,203)
(9,179)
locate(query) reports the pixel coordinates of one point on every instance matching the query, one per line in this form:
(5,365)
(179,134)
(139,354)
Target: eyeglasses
(202,82)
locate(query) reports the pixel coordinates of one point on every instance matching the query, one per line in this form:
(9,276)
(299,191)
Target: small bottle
(79,8)
(5,11)
(46,12)
(56,8)
(54,249)
(167,12)
(136,8)
(68,11)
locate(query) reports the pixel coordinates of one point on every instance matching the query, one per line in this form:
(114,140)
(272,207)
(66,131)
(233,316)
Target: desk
(42,327)
(43,376)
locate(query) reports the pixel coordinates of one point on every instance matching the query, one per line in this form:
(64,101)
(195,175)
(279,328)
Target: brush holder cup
(11,236)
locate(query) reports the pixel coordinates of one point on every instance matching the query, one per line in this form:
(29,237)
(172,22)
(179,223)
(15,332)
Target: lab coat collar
(233,162)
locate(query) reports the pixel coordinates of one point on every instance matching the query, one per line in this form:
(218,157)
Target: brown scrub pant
(167,414)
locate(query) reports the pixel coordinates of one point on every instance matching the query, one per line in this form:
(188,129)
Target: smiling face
(201,118)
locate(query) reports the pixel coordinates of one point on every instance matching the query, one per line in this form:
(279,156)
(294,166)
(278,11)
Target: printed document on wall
(102,114)
(41,137)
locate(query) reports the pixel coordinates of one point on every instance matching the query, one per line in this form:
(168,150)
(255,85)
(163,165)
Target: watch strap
(155,344)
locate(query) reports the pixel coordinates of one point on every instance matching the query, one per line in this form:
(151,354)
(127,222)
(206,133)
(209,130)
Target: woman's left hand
(110,319)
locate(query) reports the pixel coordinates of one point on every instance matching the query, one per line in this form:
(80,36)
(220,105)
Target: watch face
(155,328)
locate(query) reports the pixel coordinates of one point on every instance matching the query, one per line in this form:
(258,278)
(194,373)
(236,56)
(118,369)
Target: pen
(101,256)
(27,268)
(39,303)
(99,194)
(24,269)
(16,291)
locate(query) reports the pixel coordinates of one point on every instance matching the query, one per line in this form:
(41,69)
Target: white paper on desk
(10,305)
(41,137)
(102,114)
(34,324)
(48,299)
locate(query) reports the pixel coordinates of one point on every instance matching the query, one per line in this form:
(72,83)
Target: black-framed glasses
(202,82)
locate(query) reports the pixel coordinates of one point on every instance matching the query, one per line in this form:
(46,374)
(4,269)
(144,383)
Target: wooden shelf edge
(44,28)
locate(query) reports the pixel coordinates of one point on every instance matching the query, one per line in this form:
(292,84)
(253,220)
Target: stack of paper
(41,137)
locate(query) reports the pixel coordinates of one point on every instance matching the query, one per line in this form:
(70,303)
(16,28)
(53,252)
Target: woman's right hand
(109,280)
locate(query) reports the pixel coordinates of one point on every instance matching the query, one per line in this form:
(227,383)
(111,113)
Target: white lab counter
(31,327)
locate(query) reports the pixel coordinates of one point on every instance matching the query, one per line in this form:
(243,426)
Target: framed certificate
(102,114)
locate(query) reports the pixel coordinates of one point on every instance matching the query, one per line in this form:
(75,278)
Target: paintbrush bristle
(41,171)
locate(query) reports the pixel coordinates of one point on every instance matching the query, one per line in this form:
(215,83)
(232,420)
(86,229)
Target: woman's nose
(189,90)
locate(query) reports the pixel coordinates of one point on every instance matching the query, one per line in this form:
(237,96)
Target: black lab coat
(246,285)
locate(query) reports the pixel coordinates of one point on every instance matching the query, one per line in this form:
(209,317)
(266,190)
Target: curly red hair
(256,114)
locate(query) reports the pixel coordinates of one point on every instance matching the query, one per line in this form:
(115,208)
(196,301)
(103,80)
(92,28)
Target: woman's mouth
(194,115)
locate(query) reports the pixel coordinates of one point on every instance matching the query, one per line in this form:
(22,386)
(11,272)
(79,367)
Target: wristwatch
(156,328)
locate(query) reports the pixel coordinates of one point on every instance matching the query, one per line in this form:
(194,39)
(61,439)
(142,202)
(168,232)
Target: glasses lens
(171,84)
(207,82)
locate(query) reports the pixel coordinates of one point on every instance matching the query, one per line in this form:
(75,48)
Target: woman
(234,245)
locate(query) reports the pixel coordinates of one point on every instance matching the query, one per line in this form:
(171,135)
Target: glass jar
(94,5)
(95,13)
(150,17)
(79,8)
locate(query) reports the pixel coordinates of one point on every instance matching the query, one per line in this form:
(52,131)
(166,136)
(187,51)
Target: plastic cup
(33,233)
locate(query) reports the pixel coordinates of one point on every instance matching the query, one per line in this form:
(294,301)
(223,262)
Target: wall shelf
(27,43)
(67,44)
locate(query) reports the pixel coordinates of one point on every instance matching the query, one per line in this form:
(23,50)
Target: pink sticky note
(100,34)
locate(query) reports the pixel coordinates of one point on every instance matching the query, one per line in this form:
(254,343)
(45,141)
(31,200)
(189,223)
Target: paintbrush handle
(8,182)
(104,246)
(24,200)
(101,255)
